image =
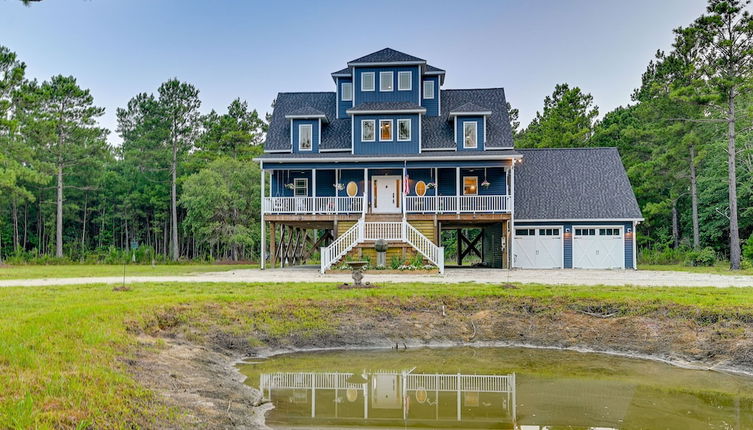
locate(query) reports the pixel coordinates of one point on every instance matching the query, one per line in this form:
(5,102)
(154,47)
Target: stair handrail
(340,246)
(424,245)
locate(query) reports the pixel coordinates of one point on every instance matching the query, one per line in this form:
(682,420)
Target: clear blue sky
(253,50)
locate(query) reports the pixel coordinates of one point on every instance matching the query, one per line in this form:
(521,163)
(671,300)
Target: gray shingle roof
(306,111)
(437,132)
(577,183)
(387,106)
(432,69)
(443,154)
(386,55)
(469,107)
(345,71)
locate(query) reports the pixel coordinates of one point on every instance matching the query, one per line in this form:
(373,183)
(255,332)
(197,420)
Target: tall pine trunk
(173,204)
(675,226)
(59,214)
(694,199)
(734,229)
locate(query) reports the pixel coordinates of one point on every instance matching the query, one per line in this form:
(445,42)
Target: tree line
(686,140)
(181,184)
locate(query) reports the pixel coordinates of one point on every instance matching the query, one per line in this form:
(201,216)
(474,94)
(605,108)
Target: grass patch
(63,349)
(720,268)
(95,270)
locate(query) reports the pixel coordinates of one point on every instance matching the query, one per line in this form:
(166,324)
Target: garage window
(585,232)
(549,232)
(525,232)
(609,232)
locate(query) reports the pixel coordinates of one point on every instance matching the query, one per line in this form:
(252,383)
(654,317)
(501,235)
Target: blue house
(392,155)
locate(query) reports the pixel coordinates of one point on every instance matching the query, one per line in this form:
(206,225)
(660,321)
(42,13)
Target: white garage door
(598,248)
(538,248)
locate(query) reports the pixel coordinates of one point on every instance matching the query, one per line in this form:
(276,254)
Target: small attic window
(470,132)
(347,92)
(305,137)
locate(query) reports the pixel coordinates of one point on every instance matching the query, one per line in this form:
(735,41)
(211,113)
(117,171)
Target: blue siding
(381,164)
(347,176)
(568,242)
(495,177)
(282,177)
(431,105)
(325,180)
(426,175)
(479,131)
(314,134)
(385,147)
(388,96)
(446,182)
(342,106)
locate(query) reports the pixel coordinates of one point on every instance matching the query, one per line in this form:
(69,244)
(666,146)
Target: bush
(664,255)
(748,249)
(395,262)
(705,257)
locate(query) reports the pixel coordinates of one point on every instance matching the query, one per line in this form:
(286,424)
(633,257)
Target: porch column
(511,245)
(337,191)
(365,190)
(457,190)
(402,192)
(436,192)
(263,237)
(313,189)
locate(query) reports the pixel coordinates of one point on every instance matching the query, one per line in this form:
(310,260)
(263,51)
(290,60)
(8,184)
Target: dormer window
(304,137)
(470,135)
(404,81)
(347,92)
(428,89)
(386,81)
(367,81)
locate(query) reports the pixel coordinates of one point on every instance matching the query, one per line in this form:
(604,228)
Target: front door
(386,199)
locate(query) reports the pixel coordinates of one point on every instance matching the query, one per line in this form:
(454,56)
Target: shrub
(417,260)
(664,255)
(395,262)
(705,257)
(748,249)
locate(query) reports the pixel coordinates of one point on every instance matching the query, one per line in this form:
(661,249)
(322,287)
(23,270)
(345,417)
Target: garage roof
(573,184)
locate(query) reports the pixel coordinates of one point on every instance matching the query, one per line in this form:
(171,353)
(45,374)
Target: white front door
(598,248)
(538,247)
(386,198)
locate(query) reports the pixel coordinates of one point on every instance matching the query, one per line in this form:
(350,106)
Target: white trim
(342,88)
(278,151)
(262,257)
(497,148)
(480,113)
(420,142)
(353,79)
(434,73)
(334,149)
(480,157)
(635,251)
(340,75)
(374,130)
(392,130)
(418,90)
(322,116)
(291,134)
(410,122)
(311,136)
(369,112)
(353,134)
(429,81)
(373,82)
(313,183)
(484,125)
(306,180)
(410,80)
(455,131)
(475,134)
(337,98)
(441,149)
(319,130)
(579,219)
(388,63)
(391,81)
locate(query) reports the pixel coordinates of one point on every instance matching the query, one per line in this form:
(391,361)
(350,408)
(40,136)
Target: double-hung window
(305,137)
(428,89)
(404,81)
(470,134)
(347,92)
(367,130)
(403,129)
(386,81)
(300,187)
(385,130)
(367,81)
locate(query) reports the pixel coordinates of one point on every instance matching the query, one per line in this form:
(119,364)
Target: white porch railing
(313,205)
(369,231)
(462,204)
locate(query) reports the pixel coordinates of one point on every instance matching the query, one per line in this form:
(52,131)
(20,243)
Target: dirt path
(310,274)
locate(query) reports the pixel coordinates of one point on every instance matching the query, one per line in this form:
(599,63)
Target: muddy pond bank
(188,353)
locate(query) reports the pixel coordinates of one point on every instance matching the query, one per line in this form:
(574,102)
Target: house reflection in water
(390,398)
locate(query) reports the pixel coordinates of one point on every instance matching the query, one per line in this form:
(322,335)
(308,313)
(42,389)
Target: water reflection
(496,388)
(392,398)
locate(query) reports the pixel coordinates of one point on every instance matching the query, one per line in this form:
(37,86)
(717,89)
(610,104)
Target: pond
(495,388)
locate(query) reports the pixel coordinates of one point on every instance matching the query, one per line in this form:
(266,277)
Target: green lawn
(62,348)
(91,270)
(721,268)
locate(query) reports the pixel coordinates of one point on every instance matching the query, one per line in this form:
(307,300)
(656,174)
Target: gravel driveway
(308,274)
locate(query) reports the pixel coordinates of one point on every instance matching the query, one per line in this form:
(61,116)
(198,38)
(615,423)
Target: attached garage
(598,248)
(538,247)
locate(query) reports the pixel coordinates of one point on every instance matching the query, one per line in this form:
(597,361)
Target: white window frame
(305,182)
(392,130)
(475,178)
(342,92)
(301,127)
(373,128)
(391,81)
(429,94)
(410,81)
(373,81)
(475,134)
(409,130)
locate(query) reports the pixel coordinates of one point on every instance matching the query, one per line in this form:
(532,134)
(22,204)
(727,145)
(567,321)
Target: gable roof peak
(385,56)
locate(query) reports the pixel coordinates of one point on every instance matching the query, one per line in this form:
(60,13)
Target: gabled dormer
(306,129)
(469,125)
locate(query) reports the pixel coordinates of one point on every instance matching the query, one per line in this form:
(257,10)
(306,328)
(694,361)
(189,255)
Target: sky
(253,50)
